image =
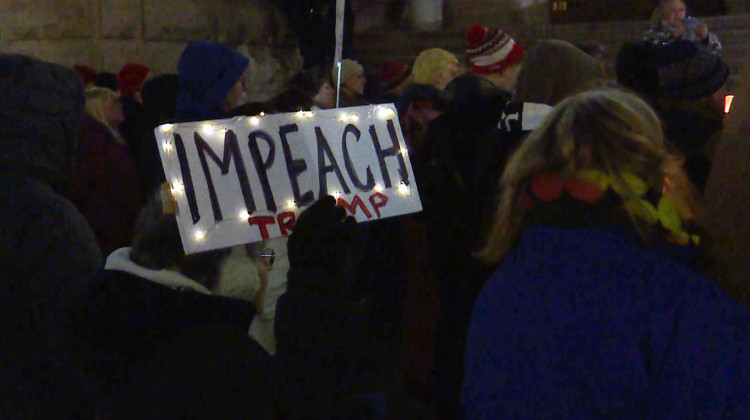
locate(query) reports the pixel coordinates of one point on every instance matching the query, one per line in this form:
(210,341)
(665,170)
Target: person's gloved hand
(321,236)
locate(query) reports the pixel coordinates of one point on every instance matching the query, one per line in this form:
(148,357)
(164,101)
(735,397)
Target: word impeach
(246,179)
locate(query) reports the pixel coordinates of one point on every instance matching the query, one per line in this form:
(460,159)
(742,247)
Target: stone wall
(373,15)
(500,13)
(374,48)
(105,34)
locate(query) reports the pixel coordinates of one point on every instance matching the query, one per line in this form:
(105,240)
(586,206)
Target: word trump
(244,179)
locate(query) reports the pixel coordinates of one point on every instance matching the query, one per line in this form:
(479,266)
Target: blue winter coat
(589,323)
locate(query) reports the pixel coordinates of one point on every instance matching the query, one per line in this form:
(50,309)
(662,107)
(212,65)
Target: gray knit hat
(348,69)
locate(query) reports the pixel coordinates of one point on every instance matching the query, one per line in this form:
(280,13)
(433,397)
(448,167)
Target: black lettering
(294,167)
(351,128)
(262,167)
(394,150)
(187,179)
(325,150)
(231,150)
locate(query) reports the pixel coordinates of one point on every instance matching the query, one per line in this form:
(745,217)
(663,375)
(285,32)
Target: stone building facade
(528,21)
(105,34)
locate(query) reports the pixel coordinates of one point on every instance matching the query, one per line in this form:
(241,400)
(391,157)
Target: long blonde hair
(96,99)
(606,130)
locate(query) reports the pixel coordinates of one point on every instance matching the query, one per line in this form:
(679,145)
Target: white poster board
(246,179)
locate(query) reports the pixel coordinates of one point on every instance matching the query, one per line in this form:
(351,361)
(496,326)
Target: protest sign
(246,179)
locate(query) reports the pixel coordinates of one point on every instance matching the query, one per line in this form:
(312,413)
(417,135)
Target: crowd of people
(582,252)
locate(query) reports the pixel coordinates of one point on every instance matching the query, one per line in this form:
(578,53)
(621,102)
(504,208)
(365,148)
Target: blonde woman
(105,175)
(670,21)
(436,67)
(593,311)
(104,106)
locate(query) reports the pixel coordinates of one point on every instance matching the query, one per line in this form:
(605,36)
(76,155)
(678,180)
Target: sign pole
(340,6)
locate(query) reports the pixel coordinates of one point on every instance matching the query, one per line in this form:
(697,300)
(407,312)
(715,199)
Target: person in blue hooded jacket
(593,310)
(211,81)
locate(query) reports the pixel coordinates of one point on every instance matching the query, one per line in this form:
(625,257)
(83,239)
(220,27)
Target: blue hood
(207,73)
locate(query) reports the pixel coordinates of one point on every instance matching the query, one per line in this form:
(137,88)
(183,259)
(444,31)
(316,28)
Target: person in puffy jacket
(48,250)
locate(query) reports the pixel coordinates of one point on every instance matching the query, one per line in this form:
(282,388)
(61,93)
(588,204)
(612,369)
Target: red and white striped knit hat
(491,50)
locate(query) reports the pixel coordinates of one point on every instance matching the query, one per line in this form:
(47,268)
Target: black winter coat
(323,348)
(129,328)
(48,250)
(445,172)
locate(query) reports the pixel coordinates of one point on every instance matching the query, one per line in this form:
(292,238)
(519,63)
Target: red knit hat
(87,73)
(491,50)
(130,78)
(392,73)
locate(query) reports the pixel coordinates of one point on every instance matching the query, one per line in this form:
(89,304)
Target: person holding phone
(670,21)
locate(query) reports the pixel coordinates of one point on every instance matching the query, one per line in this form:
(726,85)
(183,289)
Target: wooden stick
(168,203)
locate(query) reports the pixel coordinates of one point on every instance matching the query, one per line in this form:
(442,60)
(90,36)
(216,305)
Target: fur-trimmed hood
(120,261)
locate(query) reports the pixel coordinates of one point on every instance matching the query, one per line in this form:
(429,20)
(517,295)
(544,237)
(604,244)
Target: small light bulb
(166,128)
(378,188)
(244,215)
(342,117)
(291,204)
(262,114)
(223,131)
(404,151)
(304,114)
(177,187)
(254,121)
(336,194)
(385,113)
(403,189)
(167,146)
(207,129)
(199,235)
(353,118)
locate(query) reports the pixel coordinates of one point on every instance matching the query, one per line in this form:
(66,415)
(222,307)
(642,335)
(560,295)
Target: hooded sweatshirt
(207,73)
(48,250)
(552,71)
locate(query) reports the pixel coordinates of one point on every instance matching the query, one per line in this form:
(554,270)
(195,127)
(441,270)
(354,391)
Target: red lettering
(286,222)
(352,207)
(262,222)
(378,200)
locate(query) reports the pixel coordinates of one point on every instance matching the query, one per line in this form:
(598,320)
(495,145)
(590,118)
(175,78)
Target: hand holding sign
(321,236)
